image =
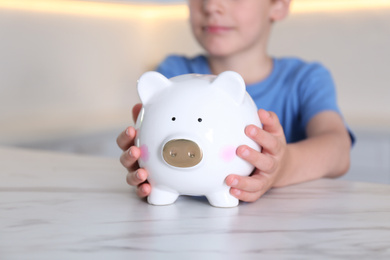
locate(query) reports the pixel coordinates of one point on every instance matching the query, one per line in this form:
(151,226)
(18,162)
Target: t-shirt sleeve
(317,93)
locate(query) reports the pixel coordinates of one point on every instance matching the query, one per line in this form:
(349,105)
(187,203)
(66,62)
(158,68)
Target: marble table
(61,206)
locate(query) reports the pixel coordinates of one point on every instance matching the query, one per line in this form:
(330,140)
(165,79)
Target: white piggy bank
(188,131)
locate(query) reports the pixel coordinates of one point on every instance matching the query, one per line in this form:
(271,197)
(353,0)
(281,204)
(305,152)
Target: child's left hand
(269,162)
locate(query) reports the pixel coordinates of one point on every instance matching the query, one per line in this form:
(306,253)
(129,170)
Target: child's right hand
(129,159)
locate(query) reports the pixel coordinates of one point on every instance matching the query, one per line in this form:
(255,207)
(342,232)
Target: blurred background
(68,69)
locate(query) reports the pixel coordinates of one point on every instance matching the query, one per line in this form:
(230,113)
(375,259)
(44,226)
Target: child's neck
(252,69)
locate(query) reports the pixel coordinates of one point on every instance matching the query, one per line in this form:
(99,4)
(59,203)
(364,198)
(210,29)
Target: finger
(261,161)
(254,183)
(144,190)
(126,139)
(269,142)
(129,158)
(270,122)
(136,110)
(248,189)
(245,196)
(136,178)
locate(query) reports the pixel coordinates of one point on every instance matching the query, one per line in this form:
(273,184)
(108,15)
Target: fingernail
(130,153)
(234,182)
(127,132)
(245,152)
(268,114)
(137,175)
(253,131)
(237,192)
(142,188)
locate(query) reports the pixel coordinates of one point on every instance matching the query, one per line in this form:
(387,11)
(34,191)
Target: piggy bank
(188,131)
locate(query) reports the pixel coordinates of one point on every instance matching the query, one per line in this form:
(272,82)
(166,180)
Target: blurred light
(101,9)
(311,6)
(171,11)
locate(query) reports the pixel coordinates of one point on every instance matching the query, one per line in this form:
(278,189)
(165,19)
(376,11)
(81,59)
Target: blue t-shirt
(295,90)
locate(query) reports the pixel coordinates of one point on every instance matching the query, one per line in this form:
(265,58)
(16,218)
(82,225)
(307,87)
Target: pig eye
(173,118)
(199,119)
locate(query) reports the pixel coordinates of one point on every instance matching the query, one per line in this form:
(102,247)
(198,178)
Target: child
(303,136)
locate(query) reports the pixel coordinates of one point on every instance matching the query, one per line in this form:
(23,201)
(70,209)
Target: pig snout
(182,153)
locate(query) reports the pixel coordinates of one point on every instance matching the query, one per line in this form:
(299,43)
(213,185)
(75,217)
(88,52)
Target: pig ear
(232,83)
(150,84)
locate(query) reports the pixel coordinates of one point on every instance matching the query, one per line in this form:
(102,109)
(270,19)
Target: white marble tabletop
(58,206)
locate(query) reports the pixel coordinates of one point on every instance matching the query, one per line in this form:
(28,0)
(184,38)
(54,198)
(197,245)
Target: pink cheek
(228,153)
(144,153)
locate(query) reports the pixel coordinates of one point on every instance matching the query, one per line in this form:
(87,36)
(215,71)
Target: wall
(66,74)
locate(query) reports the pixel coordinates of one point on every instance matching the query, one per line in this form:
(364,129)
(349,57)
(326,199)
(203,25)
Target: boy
(303,138)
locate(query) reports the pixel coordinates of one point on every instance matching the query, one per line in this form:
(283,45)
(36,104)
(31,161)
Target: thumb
(136,110)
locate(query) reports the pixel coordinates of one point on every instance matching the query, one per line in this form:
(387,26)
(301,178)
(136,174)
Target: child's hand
(269,163)
(136,176)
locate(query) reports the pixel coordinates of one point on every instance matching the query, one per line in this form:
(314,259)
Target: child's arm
(136,176)
(325,153)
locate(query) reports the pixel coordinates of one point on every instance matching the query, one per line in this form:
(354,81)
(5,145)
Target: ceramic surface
(189,129)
